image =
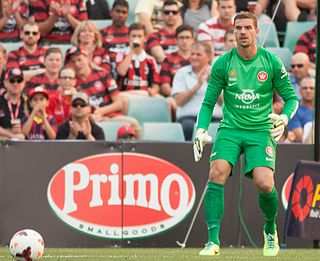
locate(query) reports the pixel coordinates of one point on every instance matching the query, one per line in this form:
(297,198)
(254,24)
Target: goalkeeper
(247,76)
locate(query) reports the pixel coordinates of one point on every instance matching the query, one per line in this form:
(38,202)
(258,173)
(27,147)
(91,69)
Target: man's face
(119,15)
(80,64)
(198,57)
(67,79)
(170,15)
(299,67)
(137,36)
(80,109)
(307,90)
(53,63)
(245,33)
(30,35)
(15,85)
(226,9)
(185,40)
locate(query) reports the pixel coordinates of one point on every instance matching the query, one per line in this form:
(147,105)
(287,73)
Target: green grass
(175,254)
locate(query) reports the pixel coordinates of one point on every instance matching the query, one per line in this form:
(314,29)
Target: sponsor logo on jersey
(100,196)
(247,96)
(97,60)
(262,76)
(269,151)
(233,73)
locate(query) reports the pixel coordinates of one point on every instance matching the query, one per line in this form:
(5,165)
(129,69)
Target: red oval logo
(285,193)
(121,195)
(262,76)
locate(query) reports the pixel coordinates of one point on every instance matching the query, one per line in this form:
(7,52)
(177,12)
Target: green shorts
(258,147)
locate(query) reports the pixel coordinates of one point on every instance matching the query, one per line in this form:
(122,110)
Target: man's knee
(219,171)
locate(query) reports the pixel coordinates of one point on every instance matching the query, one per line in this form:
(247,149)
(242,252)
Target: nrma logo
(121,195)
(247,96)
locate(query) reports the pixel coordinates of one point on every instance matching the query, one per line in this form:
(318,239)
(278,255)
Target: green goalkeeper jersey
(248,87)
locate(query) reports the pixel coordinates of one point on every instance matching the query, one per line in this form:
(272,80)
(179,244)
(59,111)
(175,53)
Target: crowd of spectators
(167,53)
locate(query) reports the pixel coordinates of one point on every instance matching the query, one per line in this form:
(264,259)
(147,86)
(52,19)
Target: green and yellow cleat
(271,244)
(210,249)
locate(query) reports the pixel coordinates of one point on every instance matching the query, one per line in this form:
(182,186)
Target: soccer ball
(26,245)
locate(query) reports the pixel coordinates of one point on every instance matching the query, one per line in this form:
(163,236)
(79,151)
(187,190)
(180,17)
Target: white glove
(202,137)
(279,123)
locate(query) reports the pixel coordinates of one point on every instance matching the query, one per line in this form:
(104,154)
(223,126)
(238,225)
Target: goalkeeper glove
(202,137)
(278,125)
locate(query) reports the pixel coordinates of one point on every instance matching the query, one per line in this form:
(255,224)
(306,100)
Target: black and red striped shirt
(142,73)
(99,86)
(10,32)
(40,10)
(307,44)
(170,65)
(163,38)
(42,79)
(101,58)
(62,30)
(24,60)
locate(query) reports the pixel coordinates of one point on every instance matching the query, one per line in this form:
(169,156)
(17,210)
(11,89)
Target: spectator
(148,13)
(66,16)
(3,61)
(307,44)
(80,126)
(213,30)
(98,9)
(306,109)
(136,70)
(88,37)
(229,40)
(163,42)
(115,37)
(39,125)
(300,68)
(59,103)
(12,106)
(125,133)
(300,10)
(195,12)
(29,57)
(178,59)
(101,88)
(13,15)
(189,87)
(53,65)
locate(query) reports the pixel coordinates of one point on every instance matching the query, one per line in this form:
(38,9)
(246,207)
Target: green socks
(269,206)
(214,208)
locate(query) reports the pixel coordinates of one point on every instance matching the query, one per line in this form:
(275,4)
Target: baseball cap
(80,96)
(14,73)
(36,90)
(75,51)
(126,131)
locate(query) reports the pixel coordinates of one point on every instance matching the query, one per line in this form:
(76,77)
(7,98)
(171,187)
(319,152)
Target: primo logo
(247,96)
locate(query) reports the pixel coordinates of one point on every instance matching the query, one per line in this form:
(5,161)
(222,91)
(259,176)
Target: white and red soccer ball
(26,245)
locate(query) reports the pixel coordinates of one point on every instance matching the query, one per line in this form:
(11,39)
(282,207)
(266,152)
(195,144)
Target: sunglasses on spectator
(17,80)
(79,104)
(167,12)
(28,33)
(299,65)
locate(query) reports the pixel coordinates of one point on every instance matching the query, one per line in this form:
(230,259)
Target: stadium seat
(284,54)
(149,109)
(110,129)
(212,130)
(100,24)
(293,32)
(163,131)
(272,36)
(11,46)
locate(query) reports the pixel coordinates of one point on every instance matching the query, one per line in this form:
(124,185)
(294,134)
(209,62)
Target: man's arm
(143,12)
(123,66)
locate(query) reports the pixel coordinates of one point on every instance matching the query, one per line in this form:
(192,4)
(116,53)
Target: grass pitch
(175,254)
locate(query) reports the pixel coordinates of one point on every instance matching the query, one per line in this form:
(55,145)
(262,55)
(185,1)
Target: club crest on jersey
(233,73)
(262,76)
(98,85)
(97,60)
(269,151)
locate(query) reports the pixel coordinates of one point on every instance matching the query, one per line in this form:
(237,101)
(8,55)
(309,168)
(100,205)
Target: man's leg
(268,202)
(214,203)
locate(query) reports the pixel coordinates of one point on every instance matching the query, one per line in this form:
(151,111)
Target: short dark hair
(169,2)
(53,50)
(123,3)
(137,26)
(186,3)
(246,15)
(182,28)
